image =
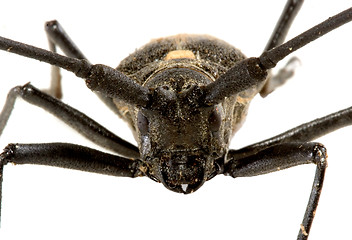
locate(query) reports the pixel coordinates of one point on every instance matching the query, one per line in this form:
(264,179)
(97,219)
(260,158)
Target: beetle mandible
(166,115)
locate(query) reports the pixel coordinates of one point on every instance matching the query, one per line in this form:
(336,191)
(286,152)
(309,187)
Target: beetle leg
(72,117)
(277,37)
(284,23)
(70,156)
(281,156)
(58,37)
(276,80)
(302,133)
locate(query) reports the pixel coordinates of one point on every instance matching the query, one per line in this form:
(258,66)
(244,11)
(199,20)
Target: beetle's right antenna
(250,72)
(106,80)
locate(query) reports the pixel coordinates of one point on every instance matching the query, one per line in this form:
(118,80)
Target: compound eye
(142,124)
(215,119)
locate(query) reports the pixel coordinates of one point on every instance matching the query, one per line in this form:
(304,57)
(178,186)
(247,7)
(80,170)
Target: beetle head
(179,137)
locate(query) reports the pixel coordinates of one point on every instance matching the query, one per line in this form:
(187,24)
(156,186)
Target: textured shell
(200,52)
(213,55)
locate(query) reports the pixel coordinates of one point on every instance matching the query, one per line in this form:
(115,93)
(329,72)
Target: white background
(48,203)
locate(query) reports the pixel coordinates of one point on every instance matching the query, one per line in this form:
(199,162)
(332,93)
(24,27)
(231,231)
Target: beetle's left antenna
(252,71)
(270,58)
(100,78)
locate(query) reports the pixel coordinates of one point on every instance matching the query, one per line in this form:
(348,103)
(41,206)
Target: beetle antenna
(100,78)
(240,77)
(270,58)
(252,71)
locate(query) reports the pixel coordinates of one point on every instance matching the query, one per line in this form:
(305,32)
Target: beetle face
(181,154)
(181,140)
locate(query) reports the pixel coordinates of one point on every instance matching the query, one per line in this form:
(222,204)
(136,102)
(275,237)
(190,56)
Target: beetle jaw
(182,178)
(181,173)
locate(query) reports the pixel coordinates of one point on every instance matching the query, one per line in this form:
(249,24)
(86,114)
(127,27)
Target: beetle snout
(183,174)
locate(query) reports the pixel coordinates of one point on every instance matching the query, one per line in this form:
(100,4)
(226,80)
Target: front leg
(283,156)
(70,156)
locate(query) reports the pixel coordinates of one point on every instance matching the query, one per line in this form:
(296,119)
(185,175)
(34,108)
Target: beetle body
(181,140)
(184,97)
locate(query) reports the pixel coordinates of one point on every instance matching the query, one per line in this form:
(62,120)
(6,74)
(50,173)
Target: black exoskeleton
(184,97)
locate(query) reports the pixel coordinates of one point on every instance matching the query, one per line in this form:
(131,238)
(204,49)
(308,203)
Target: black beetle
(240,46)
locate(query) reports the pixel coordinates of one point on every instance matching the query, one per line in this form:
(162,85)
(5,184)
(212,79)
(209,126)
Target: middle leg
(302,133)
(72,117)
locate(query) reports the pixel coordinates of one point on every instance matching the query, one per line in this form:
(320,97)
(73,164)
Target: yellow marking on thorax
(177,54)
